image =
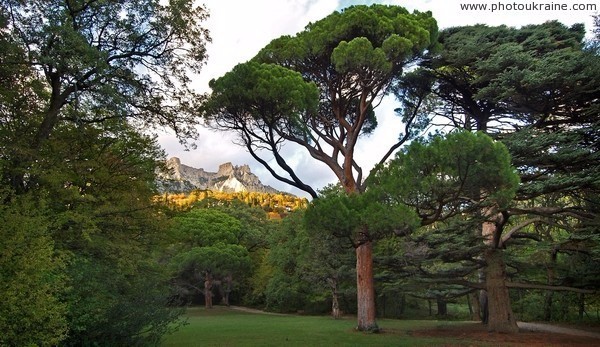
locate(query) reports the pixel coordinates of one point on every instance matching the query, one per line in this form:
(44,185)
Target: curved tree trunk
(365,289)
(501,317)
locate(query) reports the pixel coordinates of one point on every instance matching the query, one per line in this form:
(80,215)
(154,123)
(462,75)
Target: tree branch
(549,287)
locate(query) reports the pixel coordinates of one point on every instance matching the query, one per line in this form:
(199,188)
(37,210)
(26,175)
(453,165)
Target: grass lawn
(223,326)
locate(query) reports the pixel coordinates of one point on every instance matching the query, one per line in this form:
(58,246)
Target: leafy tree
(317,90)
(100,60)
(289,247)
(534,89)
(77,78)
(211,251)
(222,261)
(254,224)
(104,218)
(31,267)
(31,273)
(118,304)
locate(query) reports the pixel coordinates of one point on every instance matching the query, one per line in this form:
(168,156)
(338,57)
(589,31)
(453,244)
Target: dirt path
(252,310)
(541,327)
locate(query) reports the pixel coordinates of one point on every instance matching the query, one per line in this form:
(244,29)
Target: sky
(239,29)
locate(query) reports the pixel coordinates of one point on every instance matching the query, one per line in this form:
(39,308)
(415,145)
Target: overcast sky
(239,29)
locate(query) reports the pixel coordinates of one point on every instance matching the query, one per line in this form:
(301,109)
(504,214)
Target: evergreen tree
(533,88)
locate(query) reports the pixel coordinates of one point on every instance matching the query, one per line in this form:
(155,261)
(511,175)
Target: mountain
(182,179)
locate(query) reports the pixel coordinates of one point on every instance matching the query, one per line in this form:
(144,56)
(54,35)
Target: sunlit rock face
(182,179)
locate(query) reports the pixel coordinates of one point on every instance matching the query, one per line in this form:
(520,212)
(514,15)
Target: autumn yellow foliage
(275,205)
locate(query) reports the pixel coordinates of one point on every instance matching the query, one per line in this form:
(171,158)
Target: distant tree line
(277,205)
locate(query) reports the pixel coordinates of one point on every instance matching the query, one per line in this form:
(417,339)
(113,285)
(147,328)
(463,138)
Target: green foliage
(446,182)
(219,260)
(103,217)
(31,276)
(501,75)
(534,89)
(278,92)
(97,182)
(552,161)
(289,247)
(205,226)
(318,89)
(73,75)
(215,242)
(375,30)
(306,267)
(119,305)
(126,60)
(347,216)
(449,175)
(359,54)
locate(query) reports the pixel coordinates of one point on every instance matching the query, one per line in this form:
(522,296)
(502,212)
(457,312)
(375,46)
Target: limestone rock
(229,178)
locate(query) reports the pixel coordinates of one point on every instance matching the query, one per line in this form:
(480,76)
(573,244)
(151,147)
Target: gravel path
(541,327)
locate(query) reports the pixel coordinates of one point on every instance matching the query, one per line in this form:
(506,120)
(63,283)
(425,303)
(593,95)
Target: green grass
(221,326)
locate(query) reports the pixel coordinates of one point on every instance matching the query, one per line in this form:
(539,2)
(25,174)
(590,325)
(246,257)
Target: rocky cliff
(182,178)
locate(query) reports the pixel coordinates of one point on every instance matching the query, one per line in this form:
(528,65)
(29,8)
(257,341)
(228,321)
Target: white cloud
(239,29)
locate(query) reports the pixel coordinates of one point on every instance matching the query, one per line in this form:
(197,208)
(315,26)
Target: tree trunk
(501,317)
(473,299)
(335,303)
(548,299)
(551,275)
(365,289)
(484,313)
(208,284)
(227,289)
(496,301)
(442,306)
(488,230)
(402,303)
(335,306)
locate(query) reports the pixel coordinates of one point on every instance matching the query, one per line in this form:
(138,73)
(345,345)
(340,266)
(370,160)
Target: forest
(486,208)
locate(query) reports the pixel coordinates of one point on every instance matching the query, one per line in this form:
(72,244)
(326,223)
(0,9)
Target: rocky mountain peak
(173,161)
(226,169)
(229,178)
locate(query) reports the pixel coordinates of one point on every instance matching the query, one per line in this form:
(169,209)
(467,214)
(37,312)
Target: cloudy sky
(239,29)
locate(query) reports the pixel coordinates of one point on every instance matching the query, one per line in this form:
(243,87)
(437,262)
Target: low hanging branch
(549,287)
